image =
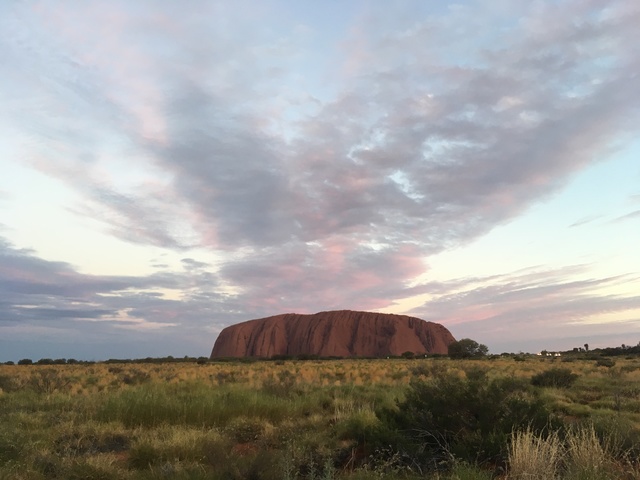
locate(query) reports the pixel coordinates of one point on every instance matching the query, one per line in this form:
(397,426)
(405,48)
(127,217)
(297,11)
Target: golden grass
(80,419)
(534,457)
(99,377)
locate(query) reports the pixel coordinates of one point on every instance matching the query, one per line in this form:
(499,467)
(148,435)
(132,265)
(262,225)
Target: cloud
(534,304)
(586,220)
(199,129)
(629,216)
(40,292)
(462,135)
(50,309)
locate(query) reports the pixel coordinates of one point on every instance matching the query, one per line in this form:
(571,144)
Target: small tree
(467,348)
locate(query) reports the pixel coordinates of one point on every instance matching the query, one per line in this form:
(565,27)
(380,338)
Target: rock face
(342,333)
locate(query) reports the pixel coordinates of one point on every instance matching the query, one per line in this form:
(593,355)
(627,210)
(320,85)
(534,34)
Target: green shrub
(464,418)
(143,456)
(47,464)
(361,425)
(8,383)
(467,348)
(555,377)
(9,450)
(244,430)
(605,362)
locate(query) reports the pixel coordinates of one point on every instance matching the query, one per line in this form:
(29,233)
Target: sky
(168,169)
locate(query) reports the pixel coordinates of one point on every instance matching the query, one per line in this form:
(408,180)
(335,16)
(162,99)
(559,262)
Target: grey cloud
(586,220)
(531,305)
(231,176)
(629,216)
(315,278)
(193,264)
(468,161)
(151,219)
(427,144)
(38,292)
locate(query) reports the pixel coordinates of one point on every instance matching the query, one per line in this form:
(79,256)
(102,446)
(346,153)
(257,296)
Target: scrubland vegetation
(509,417)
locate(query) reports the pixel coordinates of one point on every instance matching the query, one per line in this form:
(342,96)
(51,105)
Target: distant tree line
(621,350)
(73,361)
(465,348)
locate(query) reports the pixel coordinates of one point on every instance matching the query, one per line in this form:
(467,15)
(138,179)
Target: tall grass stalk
(533,457)
(586,457)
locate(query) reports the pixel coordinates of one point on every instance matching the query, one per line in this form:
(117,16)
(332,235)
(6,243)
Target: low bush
(555,377)
(605,362)
(467,419)
(9,383)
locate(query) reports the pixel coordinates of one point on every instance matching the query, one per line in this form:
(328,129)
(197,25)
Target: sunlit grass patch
(193,404)
(293,419)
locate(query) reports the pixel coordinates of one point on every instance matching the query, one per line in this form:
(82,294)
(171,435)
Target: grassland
(329,419)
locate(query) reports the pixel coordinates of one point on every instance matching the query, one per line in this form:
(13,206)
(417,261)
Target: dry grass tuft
(586,457)
(533,457)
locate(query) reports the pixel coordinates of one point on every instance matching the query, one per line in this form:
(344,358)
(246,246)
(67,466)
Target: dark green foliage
(622,350)
(143,456)
(9,450)
(605,362)
(467,348)
(620,434)
(8,383)
(82,470)
(25,361)
(244,430)
(468,419)
(47,464)
(555,377)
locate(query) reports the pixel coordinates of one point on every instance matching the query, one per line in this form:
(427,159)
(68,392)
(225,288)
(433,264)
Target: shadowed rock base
(342,333)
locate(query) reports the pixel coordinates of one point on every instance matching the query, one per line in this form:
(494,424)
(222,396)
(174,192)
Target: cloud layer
(324,178)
